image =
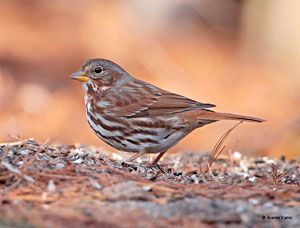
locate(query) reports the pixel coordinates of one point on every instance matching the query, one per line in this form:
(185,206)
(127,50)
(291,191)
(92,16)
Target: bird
(134,116)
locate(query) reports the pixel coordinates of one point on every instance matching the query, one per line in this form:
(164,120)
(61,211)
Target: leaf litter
(77,185)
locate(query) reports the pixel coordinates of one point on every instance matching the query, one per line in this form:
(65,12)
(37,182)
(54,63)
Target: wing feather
(140,99)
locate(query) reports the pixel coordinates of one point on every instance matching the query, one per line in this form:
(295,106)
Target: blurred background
(242,55)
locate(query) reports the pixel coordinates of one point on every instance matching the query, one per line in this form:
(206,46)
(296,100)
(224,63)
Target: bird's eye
(98,70)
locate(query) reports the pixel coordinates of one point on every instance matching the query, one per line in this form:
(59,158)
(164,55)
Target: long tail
(210,115)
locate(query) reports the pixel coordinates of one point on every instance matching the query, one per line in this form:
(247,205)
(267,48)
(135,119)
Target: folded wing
(139,99)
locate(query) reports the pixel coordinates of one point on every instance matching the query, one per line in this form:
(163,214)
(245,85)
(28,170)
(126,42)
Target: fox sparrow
(134,116)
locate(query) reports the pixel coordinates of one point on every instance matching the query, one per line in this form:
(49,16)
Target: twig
(213,176)
(277,177)
(5,153)
(12,186)
(12,169)
(16,143)
(59,176)
(218,149)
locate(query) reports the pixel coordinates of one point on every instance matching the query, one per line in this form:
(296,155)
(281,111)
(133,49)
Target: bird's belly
(167,143)
(140,134)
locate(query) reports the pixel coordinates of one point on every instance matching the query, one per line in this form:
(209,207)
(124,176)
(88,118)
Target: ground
(44,185)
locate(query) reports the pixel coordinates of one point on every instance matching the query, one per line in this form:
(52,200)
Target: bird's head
(99,72)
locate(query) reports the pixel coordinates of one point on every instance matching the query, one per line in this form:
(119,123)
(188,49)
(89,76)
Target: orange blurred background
(242,56)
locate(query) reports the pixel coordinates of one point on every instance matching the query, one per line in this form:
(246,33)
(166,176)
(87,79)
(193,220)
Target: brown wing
(140,99)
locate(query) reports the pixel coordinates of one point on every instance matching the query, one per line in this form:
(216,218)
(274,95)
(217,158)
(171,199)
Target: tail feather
(210,115)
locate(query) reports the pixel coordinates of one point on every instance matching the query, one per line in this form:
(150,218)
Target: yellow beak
(79,76)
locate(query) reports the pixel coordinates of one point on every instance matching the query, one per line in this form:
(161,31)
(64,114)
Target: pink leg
(156,160)
(131,159)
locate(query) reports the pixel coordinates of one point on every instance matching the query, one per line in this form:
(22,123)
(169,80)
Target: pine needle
(219,148)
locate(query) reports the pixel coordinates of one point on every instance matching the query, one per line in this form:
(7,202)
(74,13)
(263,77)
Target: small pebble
(195,179)
(252,179)
(253,201)
(117,157)
(60,166)
(94,183)
(78,161)
(51,186)
(237,155)
(150,176)
(147,188)
(23,152)
(268,204)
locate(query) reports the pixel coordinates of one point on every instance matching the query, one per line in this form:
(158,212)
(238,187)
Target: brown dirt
(76,185)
